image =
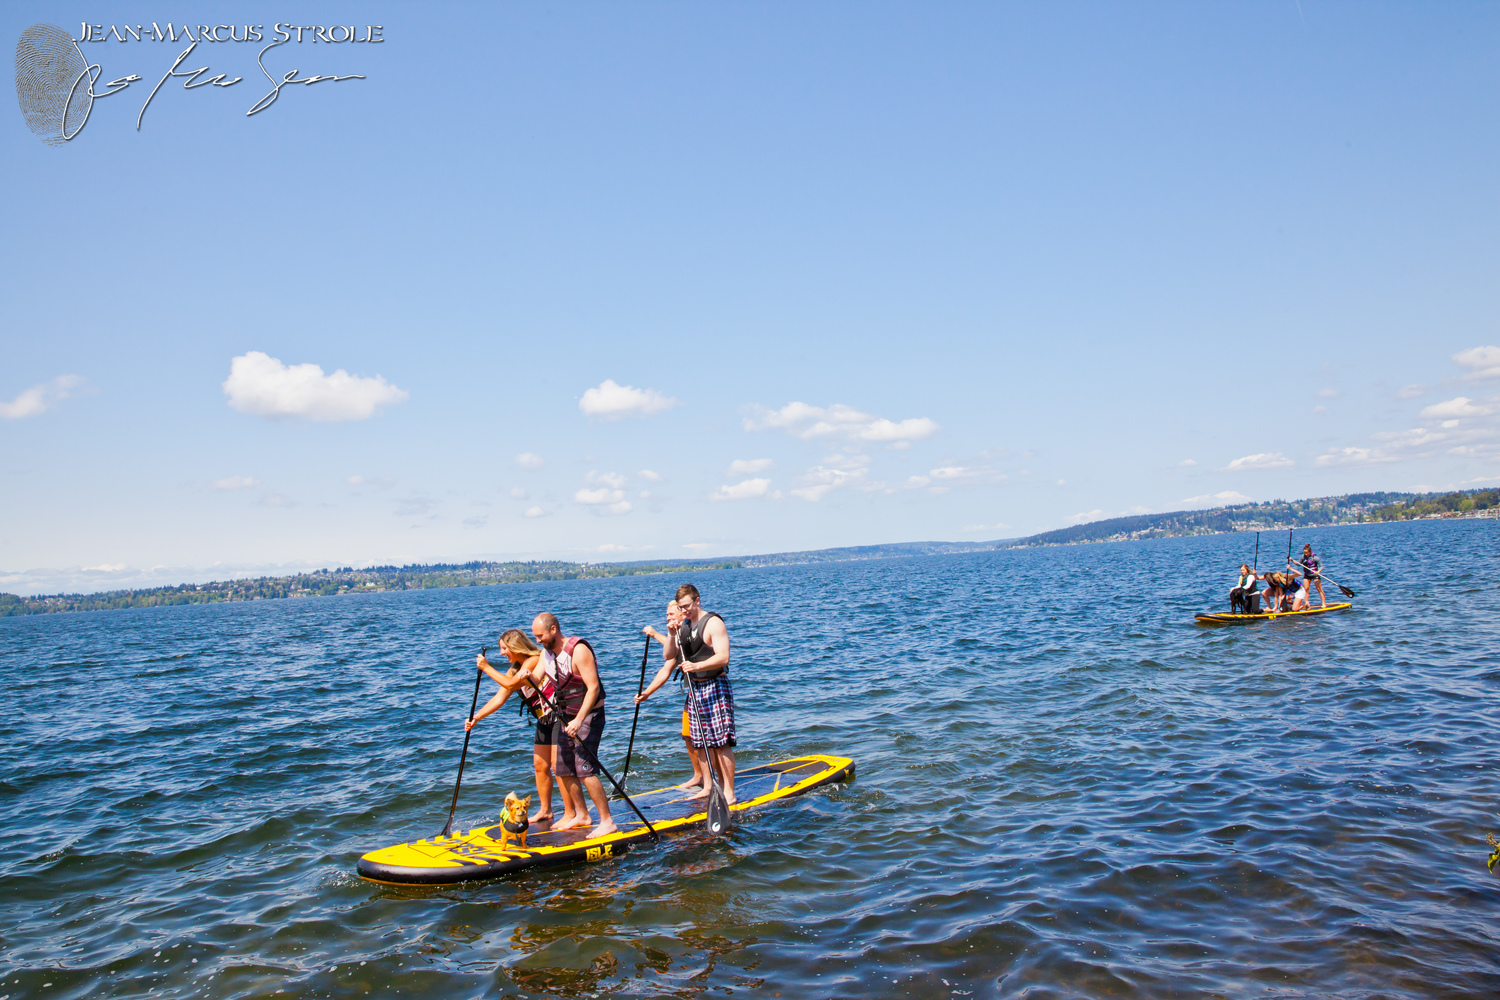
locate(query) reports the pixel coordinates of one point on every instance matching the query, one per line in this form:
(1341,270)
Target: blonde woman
(524,656)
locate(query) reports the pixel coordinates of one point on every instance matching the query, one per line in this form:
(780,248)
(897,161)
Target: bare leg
(575,811)
(541,762)
(601,802)
(698,780)
(1322,601)
(570,800)
(724,761)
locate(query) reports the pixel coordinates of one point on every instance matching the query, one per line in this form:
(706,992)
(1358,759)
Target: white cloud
(477,521)
(649,476)
(383,482)
(41,398)
(749,466)
(1353,456)
(1328,393)
(1062,482)
(1482,362)
(1320,408)
(613,480)
(530,460)
(262,386)
(1187,463)
(534,512)
(1410,391)
(997,526)
(1262,460)
(962,475)
(1219,499)
(276,500)
(1449,424)
(612,401)
(229,483)
(916,482)
(746,490)
(517,493)
(1459,406)
(604,500)
(839,421)
(835,473)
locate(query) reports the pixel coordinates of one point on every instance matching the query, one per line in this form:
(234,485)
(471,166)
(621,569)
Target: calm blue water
(1065,788)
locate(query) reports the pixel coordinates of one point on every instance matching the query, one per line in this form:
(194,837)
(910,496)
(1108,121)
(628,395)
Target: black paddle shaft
(625,771)
(717,818)
(594,760)
(478,676)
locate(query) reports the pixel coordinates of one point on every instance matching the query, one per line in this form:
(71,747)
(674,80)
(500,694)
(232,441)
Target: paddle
(625,771)
(718,806)
(594,760)
(478,676)
(1321,576)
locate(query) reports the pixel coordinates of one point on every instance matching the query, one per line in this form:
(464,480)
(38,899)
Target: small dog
(514,825)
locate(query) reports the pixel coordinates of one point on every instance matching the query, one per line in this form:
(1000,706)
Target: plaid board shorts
(711,724)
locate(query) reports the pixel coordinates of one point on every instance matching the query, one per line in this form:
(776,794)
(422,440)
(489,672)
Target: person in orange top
(699,780)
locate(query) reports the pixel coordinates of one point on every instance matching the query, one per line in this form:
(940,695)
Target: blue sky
(655,280)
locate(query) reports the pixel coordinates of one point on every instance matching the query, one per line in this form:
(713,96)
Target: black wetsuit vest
(695,649)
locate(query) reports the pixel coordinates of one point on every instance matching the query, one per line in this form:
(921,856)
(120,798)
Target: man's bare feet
(603,829)
(571,823)
(541,817)
(691,784)
(729,798)
(701,795)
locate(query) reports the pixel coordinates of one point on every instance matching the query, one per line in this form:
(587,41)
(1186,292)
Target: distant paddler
(1245,595)
(1312,568)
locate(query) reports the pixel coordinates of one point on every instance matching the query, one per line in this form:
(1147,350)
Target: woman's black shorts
(546,732)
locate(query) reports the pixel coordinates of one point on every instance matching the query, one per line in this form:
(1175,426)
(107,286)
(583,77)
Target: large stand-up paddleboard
(477,854)
(1230,618)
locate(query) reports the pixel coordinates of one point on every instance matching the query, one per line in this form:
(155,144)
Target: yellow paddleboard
(478,855)
(1234,619)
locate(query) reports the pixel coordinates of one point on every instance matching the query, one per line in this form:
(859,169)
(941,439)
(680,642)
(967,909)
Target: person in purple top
(1311,567)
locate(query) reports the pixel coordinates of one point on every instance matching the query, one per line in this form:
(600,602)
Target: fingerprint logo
(54,83)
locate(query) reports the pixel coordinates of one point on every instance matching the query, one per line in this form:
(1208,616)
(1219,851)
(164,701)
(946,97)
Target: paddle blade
(718,811)
(1347,592)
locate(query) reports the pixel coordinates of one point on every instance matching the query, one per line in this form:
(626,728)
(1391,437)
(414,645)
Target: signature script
(93,71)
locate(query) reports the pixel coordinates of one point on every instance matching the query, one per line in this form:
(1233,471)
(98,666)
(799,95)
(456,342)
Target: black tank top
(695,649)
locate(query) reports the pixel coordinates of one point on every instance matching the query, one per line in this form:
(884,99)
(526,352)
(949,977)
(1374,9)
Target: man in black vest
(702,643)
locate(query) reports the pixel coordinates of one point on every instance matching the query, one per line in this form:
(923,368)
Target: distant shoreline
(1350,510)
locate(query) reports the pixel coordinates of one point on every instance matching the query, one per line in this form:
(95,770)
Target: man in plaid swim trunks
(701,642)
